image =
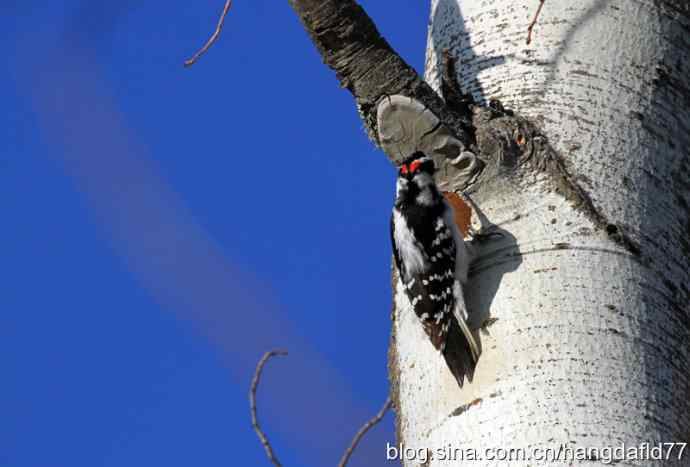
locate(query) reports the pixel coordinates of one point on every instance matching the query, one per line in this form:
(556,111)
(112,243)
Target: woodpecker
(432,261)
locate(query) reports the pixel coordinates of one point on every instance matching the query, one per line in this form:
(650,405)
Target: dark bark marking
(464,408)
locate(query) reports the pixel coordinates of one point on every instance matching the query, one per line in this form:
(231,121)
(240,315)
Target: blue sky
(165,226)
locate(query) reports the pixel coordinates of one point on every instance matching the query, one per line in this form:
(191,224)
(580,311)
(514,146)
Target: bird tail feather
(458,354)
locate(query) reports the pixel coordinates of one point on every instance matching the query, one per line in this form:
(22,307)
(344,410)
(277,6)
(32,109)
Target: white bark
(591,343)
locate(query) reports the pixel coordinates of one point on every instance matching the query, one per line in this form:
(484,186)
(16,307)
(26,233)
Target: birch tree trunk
(588,289)
(582,304)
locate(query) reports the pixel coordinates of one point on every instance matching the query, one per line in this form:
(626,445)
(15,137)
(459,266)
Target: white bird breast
(408,248)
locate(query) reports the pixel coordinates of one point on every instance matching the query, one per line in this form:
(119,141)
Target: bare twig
(534,21)
(252,404)
(366,427)
(213,37)
(262,436)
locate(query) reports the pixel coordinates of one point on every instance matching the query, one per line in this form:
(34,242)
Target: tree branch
(252,404)
(365,63)
(534,21)
(213,38)
(362,431)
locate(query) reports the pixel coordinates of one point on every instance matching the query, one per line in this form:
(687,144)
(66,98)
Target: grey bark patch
(406,125)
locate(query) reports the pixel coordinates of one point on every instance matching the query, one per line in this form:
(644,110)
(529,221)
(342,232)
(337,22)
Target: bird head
(416,164)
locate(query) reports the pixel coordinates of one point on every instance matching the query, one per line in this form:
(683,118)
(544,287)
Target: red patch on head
(403,169)
(414,166)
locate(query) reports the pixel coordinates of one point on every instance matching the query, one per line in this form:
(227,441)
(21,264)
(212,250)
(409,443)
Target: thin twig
(534,21)
(252,404)
(346,457)
(213,37)
(262,436)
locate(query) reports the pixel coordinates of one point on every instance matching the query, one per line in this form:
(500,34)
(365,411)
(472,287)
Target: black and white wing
(432,290)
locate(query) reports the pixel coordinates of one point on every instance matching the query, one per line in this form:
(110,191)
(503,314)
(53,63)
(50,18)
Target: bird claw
(485,233)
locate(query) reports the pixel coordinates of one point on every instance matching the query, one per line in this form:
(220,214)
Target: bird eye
(414,166)
(403,169)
